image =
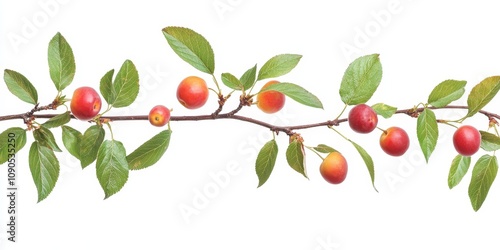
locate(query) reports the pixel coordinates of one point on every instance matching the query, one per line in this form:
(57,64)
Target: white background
(421,43)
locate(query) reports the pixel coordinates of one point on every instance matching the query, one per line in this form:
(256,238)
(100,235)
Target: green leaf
(90,143)
(278,65)
(231,81)
(61,62)
(295,157)
(484,173)
(44,168)
(361,79)
(368,162)
(459,167)
(248,78)
(427,132)
(489,141)
(384,110)
(106,87)
(265,161)
(71,139)
(45,137)
(58,120)
(20,86)
(482,94)
(12,138)
(446,92)
(150,152)
(125,85)
(111,167)
(191,47)
(295,92)
(325,149)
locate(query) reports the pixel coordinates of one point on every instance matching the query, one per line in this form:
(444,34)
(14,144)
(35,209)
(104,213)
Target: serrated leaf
(384,110)
(20,86)
(446,92)
(231,81)
(278,65)
(325,149)
(368,162)
(61,62)
(482,94)
(71,139)
(125,86)
(12,138)
(459,167)
(427,132)
(191,47)
(296,92)
(489,141)
(266,159)
(248,78)
(106,87)
(44,168)
(111,167)
(295,157)
(149,152)
(484,173)
(58,120)
(361,79)
(90,143)
(46,138)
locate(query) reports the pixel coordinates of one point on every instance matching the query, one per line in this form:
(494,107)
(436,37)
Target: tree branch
(289,130)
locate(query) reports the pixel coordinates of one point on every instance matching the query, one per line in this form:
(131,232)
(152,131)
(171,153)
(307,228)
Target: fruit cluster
(360,81)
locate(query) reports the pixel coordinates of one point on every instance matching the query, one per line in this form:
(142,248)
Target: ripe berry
(85,103)
(467,140)
(362,119)
(270,101)
(159,116)
(394,141)
(192,92)
(334,168)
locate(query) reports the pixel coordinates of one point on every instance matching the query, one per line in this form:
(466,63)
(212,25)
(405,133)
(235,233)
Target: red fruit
(159,116)
(192,92)
(85,103)
(394,141)
(270,101)
(362,119)
(334,168)
(467,140)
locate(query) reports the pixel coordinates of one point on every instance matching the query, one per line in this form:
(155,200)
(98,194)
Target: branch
(289,130)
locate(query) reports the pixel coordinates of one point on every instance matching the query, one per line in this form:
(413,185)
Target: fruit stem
(316,152)
(383,130)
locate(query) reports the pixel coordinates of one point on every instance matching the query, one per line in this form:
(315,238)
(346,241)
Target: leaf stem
(342,112)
